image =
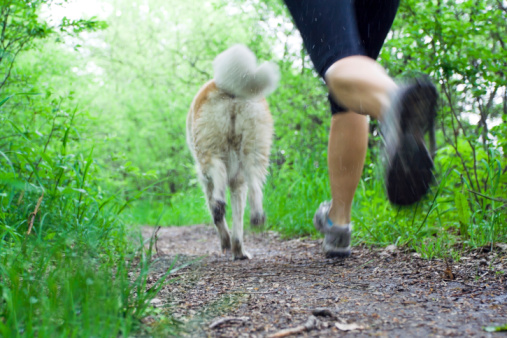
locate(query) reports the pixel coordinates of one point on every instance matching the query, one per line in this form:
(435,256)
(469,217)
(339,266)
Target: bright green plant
(66,255)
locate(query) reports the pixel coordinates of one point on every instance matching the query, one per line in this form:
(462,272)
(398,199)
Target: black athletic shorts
(335,29)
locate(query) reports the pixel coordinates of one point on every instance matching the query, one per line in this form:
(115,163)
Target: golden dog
(229,132)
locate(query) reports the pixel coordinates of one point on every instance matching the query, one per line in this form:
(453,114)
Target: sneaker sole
(409,173)
(338,254)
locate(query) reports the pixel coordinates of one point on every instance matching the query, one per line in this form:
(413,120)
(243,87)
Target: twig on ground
(468,292)
(362,265)
(310,324)
(348,327)
(254,292)
(227,320)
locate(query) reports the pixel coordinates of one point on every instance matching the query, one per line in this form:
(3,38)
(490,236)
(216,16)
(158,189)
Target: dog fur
(229,132)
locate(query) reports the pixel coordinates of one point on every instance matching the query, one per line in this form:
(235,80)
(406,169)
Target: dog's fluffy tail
(236,73)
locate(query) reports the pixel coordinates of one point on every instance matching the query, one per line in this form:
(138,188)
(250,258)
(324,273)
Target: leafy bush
(68,264)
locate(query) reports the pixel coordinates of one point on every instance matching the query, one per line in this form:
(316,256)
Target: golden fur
(230,138)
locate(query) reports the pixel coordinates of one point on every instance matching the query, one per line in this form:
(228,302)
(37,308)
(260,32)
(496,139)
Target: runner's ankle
(338,219)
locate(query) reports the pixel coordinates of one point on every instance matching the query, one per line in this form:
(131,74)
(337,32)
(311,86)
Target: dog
(229,133)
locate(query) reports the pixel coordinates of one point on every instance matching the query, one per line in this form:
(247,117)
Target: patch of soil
(289,283)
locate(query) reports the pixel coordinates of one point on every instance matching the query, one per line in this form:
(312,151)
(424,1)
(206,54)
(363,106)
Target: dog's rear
(229,132)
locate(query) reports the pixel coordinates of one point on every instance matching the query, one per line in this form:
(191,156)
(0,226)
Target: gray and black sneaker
(337,238)
(409,164)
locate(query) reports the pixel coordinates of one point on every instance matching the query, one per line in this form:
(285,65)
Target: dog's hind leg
(214,182)
(255,183)
(238,203)
(217,173)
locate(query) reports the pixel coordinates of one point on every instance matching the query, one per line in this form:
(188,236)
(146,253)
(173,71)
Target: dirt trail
(384,292)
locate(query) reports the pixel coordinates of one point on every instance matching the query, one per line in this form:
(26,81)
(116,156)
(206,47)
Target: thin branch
(193,64)
(45,146)
(488,197)
(32,215)
(454,144)
(12,135)
(10,69)
(500,6)
(474,155)
(4,26)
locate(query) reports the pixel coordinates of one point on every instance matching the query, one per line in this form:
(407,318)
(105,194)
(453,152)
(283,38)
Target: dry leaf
(221,321)
(447,274)
(389,250)
(501,246)
(348,327)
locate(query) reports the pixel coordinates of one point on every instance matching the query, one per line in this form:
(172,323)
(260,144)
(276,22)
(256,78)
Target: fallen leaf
(447,274)
(155,301)
(348,327)
(501,246)
(389,250)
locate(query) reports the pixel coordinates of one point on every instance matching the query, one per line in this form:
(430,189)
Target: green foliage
(69,273)
(181,208)
(66,257)
(468,203)
(463,213)
(69,286)
(462,46)
(164,54)
(297,180)
(22,27)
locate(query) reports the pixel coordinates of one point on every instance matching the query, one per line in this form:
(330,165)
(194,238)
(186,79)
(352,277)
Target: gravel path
(289,288)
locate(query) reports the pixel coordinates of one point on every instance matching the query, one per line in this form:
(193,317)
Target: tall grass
(70,287)
(68,264)
(293,193)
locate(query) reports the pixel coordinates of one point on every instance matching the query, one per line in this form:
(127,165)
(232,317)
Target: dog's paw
(218,211)
(244,255)
(238,252)
(257,219)
(225,245)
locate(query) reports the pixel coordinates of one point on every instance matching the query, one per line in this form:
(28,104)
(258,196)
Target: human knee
(347,71)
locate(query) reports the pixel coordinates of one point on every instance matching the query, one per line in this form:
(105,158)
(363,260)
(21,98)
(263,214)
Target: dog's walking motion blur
(229,132)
